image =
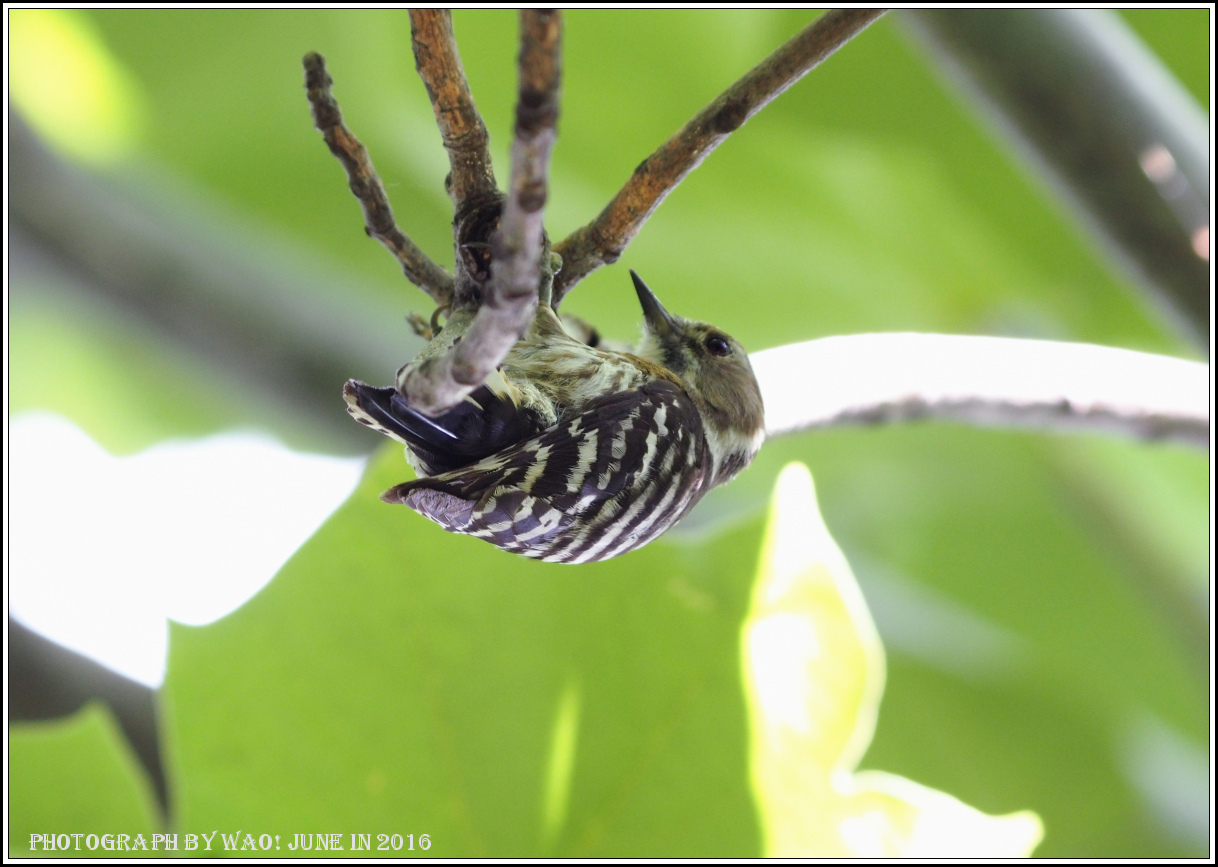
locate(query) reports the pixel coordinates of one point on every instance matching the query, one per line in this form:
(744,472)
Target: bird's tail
(485,422)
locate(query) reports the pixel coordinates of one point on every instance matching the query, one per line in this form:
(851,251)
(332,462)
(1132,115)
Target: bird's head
(715,372)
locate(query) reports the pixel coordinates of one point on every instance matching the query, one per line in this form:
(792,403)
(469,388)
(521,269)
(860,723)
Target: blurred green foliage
(76,776)
(413,686)
(394,678)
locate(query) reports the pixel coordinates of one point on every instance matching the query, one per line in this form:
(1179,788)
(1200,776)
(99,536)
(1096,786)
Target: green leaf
(75,778)
(397,679)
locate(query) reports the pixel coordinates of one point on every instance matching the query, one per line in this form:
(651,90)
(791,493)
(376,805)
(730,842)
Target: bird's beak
(659,320)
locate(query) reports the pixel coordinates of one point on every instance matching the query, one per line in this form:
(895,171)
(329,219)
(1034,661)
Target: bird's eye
(716,345)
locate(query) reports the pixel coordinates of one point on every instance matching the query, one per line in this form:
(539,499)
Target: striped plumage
(574,453)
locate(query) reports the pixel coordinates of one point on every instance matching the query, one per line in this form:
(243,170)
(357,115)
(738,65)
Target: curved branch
(602,241)
(472,177)
(367,186)
(517,247)
(882,378)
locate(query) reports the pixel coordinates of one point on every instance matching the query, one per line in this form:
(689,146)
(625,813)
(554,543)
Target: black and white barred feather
(572,453)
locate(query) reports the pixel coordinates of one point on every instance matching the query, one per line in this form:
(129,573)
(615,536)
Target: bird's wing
(626,467)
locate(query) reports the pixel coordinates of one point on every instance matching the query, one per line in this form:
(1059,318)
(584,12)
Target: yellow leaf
(814,674)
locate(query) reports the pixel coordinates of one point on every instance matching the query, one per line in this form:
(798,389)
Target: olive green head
(716,373)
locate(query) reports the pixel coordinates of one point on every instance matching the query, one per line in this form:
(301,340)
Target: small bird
(573,453)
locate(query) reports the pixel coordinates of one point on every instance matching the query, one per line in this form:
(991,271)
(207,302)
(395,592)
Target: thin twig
(367,186)
(517,246)
(465,138)
(999,381)
(603,240)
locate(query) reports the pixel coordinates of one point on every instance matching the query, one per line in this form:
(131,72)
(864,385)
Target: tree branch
(1099,117)
(472,178)
(999,381)
(510,299)
(603,241)
(367,186)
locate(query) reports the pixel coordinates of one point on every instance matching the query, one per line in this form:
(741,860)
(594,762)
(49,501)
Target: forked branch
(367,186)
(518,245)
(603,241)
(471,179)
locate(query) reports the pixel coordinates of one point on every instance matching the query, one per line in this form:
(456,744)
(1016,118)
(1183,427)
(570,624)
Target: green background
(395,679)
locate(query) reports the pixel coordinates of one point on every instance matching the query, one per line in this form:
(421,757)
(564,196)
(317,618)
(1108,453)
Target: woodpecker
(572,453)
